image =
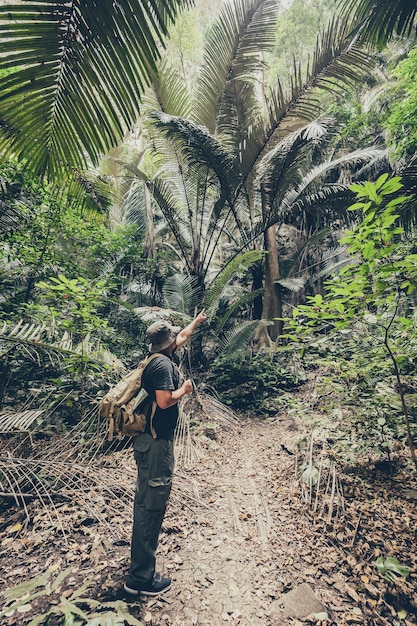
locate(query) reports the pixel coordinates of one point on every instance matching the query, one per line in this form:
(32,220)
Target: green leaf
(391,186)
(368,250)
(356,206)
(395,566)
(390,568)
(381,180)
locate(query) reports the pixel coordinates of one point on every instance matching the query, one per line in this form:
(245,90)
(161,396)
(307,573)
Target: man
(154,455)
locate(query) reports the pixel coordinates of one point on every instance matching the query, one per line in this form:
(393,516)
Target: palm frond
(292,284)
(88,192)
(209,175)
(239,264)
(198,146)
(241,301)
(173,214)
(239,337)
(10,217)
(45,479)
(77,79)
(282,165)
(36,338)
(337,64)
(288,193)
(226,100)
(313,182)
(149,314)
(12,421)
(408,173)
(180,293)
(332,261)
(206,409)
(187,446)
(316,209)
(243,31)
(134,206)
(139,204)
(377,20)
(168,92)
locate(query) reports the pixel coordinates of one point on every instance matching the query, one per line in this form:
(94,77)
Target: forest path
(237,538)
(243,546)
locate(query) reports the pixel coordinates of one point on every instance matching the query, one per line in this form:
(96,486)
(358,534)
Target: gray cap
(161,334)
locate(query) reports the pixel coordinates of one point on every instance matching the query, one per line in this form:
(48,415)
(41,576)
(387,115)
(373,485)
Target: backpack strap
(150,358)
(151,428)
(154,404)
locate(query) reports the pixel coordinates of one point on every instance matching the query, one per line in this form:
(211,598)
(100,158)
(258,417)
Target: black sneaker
(159,584)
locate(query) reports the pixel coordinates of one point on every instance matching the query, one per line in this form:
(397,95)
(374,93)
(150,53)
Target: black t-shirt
(162,374)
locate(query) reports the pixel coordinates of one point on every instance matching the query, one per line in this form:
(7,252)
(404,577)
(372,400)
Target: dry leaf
(14,528)
(8,541)
(352,593)
(372,590)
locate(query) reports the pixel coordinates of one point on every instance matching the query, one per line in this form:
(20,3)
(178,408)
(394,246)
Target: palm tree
(378,20)
(72,75)
(232,168)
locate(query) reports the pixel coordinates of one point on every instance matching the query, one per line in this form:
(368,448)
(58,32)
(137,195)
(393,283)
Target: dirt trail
(243,546)
(236,539)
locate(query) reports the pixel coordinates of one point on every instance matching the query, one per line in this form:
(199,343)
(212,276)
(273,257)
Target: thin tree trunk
(403,402)
(257,283)
(150,229)
(272,306)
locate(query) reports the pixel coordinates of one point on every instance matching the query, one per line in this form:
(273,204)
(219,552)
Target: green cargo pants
(155,463)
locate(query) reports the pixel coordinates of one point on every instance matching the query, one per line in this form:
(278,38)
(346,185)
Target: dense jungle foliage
(262,168)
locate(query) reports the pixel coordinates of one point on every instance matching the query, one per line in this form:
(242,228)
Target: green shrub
(252,383)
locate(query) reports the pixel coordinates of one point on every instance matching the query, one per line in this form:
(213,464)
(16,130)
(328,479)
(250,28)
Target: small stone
(299,602)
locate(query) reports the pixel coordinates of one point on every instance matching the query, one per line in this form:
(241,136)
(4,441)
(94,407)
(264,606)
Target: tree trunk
(272,306)
(150,228)
(257,283)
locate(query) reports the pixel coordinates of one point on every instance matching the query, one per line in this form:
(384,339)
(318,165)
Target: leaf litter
(238,535)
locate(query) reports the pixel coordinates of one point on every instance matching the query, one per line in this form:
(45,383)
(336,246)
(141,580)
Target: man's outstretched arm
(184,334)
